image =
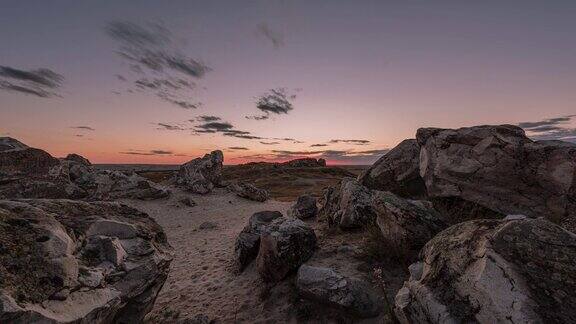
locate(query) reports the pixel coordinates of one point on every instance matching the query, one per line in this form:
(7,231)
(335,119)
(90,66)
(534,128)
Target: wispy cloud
(270,143)
(318,145)
(40,82)
(558,128)
(274,101)
(148,153)
(205,118)
(170,127)
(88,128)
(350,141)
(155,59)
(276,38)
(238,148)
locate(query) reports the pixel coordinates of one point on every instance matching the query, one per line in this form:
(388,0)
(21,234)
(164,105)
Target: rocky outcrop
(406,224)
(305,207)
(285,244)
(328,287)
(248,241)
(64,261)
(32,173)
(493,271)
(201,174)
(304,163)
(398,172)
(248,191)
(500,169)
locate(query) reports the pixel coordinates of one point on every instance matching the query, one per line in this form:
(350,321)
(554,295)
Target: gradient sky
(361,70)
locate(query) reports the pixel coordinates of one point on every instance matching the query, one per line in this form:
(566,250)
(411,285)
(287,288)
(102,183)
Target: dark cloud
(261,117)
(238,148)
(275,101)
(276,38)
(79,135)
(41,82)
(88,128)
(270,143)
(318,145)
(154,56)
(224,128)
(350,141)
(171,127)
(216,126)
(151,152)
(551,129)
(205,118)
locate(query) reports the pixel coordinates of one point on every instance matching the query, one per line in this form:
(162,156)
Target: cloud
(154,56)
(270,143)
(216,126)
(171,127)
(148,153)
(205,118)
(341,156)
(88,128)
(318,145)
(262,117)
(225,128)
(275,101)
(350,141)
(238,148)
(41,82)
(551,129)
(276,38)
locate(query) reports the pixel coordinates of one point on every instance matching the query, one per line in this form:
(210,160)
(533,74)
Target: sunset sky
(128,81)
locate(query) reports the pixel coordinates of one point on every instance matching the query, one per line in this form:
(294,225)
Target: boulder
(116,185)
(248,241)
(407,224)
(398,171)
(65,261)
(285,244)
(201,174)
(248,191)
(78,159)
(498,168)
(326,286)
(519,270)
(305,207)
(348,206)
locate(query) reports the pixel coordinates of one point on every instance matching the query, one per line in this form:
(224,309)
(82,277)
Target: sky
(168,81)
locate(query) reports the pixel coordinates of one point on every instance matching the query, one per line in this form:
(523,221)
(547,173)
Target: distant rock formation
(201,174)
(493,271)
(33,173)
(64,261)
(305,163)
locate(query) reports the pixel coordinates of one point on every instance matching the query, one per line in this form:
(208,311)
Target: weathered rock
(248,241)
(493,271)
(500,169)
(78,159)
(285,244)
(116,184)
(305,207)
(407,224)
(398,172)
(202,174)
(326,286)
(63,261)
(248,191)
(349,206)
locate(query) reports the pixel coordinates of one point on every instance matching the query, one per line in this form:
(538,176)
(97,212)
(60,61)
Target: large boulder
(348,206)
(285,244)
(405,224)
(498,168)
(398,171)
(27,172)
(248,241)
(248,191)
(64,261)
(305,207)
(201,174)
(326,286)
(493,271)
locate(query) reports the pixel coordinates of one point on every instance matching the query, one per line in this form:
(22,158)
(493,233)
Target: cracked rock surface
(493,271)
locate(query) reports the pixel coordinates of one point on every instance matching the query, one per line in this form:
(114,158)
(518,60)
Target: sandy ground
(203,281)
